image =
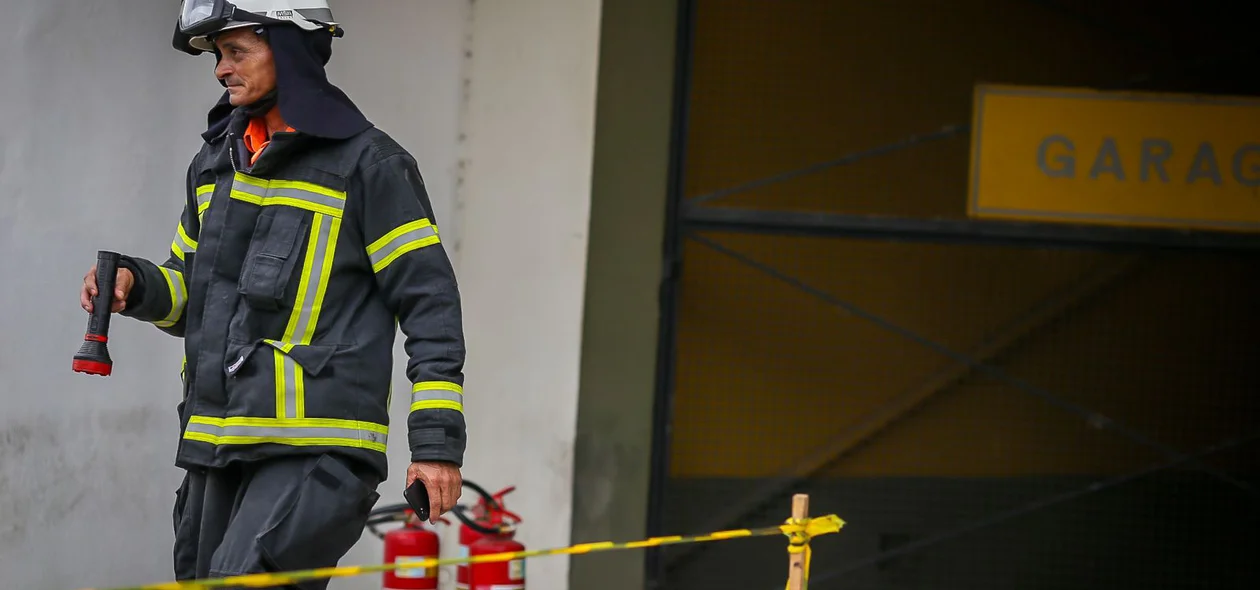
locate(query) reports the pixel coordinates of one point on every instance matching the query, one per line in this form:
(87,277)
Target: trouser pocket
(184,551)
(324,520)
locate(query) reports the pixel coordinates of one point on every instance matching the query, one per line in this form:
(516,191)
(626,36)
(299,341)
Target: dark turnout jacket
(287,281)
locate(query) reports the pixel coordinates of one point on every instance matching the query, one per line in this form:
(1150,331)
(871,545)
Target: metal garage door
(987,404)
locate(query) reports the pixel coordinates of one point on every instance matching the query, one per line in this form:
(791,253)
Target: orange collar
(256,139)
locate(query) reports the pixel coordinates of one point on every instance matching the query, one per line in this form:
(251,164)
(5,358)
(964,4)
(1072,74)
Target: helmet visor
(197,17)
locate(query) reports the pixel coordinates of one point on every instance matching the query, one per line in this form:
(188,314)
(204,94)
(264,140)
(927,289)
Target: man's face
(245,65)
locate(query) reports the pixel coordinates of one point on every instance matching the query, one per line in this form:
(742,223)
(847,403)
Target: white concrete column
(524,204)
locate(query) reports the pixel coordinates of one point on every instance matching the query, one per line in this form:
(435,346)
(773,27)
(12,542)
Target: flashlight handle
(93,357)
(103,303)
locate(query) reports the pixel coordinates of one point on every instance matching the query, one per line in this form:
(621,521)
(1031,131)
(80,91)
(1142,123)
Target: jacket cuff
(434,444)
(135,298)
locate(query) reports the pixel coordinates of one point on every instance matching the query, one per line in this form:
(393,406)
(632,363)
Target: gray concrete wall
(100,119)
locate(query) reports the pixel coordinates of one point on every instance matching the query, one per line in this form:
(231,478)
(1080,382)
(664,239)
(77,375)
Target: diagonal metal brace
(904,403)
(945,132)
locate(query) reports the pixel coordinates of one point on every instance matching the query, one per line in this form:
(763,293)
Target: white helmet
(198,19)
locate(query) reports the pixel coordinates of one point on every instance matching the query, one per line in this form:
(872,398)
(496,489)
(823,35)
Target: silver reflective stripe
(307,196)
(415,235)
(280,434)
(245,187)
(428,395)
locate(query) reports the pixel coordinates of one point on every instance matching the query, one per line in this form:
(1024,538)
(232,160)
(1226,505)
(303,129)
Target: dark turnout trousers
(281,514)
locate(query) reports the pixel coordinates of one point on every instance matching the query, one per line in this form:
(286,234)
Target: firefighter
(306,241)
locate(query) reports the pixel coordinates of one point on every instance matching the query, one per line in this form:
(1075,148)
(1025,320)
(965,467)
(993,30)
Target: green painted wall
(614,430)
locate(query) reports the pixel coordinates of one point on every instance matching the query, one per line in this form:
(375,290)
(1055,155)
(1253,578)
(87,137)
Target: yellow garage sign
(1118,158)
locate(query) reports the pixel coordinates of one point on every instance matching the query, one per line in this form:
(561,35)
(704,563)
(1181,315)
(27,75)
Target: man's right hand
(123,283)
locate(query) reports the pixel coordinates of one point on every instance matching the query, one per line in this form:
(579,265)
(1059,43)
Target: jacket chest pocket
(275,251)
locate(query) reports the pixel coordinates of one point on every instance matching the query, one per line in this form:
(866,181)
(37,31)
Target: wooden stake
(796,561)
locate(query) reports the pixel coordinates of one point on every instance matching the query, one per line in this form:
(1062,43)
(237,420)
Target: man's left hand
(443,481)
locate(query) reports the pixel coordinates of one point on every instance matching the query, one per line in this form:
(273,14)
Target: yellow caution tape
(798,531)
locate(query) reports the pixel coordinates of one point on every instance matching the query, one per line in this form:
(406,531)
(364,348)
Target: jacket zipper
(232,151)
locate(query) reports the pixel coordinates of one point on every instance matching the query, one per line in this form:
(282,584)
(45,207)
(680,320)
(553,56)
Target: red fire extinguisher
(489,528)
(475,524)
(410,543)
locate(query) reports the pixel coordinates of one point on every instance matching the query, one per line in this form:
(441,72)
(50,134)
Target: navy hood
(307,100)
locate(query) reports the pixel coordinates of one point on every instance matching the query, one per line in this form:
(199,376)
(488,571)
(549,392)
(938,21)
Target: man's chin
(238,98)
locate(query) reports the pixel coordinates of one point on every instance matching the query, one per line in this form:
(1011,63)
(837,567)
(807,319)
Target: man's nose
(222,70)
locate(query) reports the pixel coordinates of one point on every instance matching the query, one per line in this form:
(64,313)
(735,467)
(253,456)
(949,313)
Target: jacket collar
(284,146)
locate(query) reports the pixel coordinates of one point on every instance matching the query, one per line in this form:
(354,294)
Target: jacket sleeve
(417,280)
(160,293)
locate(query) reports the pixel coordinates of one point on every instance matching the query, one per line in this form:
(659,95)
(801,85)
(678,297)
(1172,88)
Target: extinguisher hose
(473,524)
(486,496)
(491,504)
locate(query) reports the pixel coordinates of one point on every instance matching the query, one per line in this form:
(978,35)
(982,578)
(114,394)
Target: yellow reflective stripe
(437,395)
(437,405)
(302,195)
(299,392)
(291,431)
(304,283)
(182,245)
(406,238)
(178,292)
(325,276)
(437,386)
(282,391)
